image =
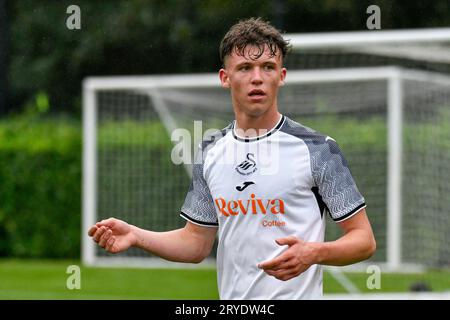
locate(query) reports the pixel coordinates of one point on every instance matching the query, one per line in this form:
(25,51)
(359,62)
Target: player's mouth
(256,95)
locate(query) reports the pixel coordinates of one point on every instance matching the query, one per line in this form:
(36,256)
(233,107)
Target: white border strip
(89,174)
(151,263)
(300,41)
(390,296)
(208,80)
(394,187)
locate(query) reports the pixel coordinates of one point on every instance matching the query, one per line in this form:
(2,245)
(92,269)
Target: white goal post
(391,86)
(425,49)
(392,76)
(304,41)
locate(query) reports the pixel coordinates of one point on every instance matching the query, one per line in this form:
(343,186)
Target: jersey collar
(250,139)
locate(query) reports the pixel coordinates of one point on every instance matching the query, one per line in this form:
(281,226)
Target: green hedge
(40,178)
(40,174)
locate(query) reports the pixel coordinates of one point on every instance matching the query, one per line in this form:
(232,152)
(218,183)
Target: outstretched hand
(295,260)
(113,235)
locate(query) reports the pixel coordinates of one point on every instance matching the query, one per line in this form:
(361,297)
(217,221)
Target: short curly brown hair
(254,32)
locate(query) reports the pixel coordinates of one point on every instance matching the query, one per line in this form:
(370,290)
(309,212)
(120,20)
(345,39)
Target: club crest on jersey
(248,166)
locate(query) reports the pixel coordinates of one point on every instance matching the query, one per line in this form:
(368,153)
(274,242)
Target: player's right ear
(224,79)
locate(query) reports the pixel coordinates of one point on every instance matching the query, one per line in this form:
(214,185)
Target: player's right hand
(113,235)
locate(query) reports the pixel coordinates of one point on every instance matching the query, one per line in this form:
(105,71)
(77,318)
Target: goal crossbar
(208,80)
(392,75)
(301,41)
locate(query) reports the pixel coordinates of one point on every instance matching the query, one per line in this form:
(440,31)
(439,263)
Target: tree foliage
(164,36)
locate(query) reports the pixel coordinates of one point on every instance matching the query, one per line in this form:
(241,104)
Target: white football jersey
(257,190)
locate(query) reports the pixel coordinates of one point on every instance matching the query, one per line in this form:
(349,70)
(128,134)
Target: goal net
(386,103)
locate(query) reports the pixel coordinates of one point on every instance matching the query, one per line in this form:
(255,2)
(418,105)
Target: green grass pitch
(38,279)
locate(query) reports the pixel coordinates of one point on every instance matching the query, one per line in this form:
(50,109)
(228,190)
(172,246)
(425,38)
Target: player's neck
(256,125)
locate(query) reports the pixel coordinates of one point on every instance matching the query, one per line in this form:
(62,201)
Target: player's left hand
(296,259)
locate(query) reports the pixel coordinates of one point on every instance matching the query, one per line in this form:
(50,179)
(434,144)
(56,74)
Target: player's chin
(256,109)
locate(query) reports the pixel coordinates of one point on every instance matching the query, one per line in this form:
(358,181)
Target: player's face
(253,83)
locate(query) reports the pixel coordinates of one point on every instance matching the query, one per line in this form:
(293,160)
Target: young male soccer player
(268,207)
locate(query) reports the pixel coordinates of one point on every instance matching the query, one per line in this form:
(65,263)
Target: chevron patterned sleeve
(198,206)
(334,180)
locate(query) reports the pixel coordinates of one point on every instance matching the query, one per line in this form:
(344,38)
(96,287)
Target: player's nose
(256,76)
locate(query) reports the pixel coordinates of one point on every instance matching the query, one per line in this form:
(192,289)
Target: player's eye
(244,68)
(269,67)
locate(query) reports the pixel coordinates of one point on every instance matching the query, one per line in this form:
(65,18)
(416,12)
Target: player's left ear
(224,79)
(282,77)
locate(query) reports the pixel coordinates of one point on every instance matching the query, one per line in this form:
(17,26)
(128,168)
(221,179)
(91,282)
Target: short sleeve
(334,181)
(198,206)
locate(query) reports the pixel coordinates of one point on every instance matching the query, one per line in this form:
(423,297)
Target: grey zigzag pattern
(330,170)
(199,204)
